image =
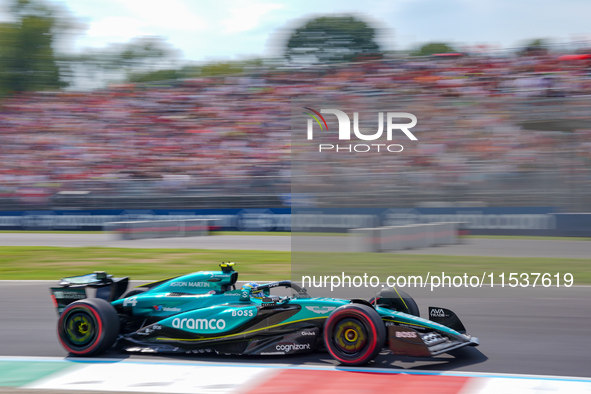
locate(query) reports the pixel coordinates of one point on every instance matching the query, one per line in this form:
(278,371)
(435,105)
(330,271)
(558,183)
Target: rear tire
(88,327)
(396,300)
(354,334)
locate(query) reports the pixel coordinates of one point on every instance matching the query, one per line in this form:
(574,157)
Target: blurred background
(101,109)
(127,110)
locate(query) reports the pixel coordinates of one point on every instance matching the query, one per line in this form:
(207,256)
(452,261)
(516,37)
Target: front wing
(406,341)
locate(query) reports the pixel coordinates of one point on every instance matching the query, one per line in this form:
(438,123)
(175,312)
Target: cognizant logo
(345,131)
(288,347)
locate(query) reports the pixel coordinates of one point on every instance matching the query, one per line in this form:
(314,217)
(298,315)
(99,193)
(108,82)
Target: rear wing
(74,288)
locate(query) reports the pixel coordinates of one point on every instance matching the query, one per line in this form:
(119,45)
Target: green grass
(19,262)
(39,262)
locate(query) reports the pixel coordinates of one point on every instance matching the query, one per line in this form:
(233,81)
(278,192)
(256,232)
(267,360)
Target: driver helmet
(254,294)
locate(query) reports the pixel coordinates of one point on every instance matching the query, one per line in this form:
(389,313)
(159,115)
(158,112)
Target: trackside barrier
(159,228)
(412,236)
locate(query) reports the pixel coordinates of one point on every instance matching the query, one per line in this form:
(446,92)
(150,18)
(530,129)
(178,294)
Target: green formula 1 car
(204,312)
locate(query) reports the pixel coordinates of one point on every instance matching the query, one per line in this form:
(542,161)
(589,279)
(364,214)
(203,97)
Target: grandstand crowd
(234,133)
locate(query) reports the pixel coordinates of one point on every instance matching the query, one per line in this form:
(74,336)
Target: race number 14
(131,301)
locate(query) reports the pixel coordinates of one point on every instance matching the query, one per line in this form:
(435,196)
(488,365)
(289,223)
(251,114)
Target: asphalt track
(468,247)
(535,334)
(526,332)
(237,242)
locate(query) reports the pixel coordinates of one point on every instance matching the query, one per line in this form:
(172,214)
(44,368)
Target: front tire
(88,327)
(354,334)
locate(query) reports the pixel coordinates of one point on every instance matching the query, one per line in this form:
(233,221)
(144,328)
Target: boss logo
(242,312)
(406,334)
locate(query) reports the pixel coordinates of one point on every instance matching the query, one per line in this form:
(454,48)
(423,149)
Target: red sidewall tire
(371,323)
(103,323)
